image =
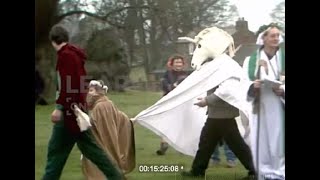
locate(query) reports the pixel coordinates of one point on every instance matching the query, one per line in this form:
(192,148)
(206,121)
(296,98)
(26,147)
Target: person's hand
(264,64)
(255,88)
(175,85)
(257,84)
(201,103)
(56,116)
(278,90)
(76,110)
(133,120)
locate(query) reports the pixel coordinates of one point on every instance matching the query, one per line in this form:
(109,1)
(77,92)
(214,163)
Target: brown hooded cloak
(114,132)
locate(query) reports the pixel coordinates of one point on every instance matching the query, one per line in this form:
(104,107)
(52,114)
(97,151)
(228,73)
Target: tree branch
(205,7)
(104,18)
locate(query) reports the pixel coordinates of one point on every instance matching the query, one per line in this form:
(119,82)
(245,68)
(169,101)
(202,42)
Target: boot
(163,148)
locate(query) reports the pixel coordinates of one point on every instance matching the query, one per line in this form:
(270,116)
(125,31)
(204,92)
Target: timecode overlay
(176,170)
(160,168)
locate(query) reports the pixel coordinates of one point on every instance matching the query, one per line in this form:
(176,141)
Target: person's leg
(163,147)
(210,135)
(231,158)
(238,146)
(59,148)
(216,155)
(96,155)
(229,154)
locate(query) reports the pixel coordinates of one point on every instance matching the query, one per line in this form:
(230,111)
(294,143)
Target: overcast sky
(256,12)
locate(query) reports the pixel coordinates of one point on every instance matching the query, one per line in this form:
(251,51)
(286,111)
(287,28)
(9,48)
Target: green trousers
(60,146)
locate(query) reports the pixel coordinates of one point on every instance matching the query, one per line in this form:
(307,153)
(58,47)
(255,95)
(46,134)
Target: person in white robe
(265,68)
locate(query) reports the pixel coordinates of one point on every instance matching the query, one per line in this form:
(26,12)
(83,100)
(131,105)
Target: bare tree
(50,12)
(166,20)
(278,14)
(148,28)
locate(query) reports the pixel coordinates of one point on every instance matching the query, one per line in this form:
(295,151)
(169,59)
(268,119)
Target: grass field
(131,102)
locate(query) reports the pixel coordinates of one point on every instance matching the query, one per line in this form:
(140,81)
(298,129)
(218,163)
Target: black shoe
(191,174)
(160,153)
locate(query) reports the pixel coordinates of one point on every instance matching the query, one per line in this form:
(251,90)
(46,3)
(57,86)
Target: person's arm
(68,79)
(212,99)
(279,91)
(221,90)
(283,87)
(166,86)
(283,98)
(180,79)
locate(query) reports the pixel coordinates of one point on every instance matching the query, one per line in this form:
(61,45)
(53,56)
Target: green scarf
(253,63)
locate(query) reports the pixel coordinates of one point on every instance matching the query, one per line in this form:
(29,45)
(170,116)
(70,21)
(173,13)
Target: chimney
(242,25)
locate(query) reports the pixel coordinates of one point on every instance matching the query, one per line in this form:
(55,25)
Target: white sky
(256,12)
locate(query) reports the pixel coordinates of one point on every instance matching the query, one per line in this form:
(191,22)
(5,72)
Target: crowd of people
(108,147)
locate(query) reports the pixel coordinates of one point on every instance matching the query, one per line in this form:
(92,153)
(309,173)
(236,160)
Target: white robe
(271,131)
(175,117)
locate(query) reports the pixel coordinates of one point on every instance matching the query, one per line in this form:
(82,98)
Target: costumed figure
(112,130)
(218,76)
(265,68)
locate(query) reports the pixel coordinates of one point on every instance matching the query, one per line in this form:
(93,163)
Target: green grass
(131,102)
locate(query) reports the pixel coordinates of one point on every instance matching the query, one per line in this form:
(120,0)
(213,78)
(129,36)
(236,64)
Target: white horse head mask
(210,43)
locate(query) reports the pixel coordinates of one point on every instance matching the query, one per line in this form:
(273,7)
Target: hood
(80,52)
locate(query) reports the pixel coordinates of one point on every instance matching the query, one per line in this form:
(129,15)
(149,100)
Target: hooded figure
(70,92)
(70,69)
(112,130)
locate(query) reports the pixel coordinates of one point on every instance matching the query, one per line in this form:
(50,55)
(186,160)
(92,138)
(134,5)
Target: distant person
(171,79)
(39,87)
(231,157)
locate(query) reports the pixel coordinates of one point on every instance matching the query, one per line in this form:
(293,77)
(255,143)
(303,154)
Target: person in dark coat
(171,79)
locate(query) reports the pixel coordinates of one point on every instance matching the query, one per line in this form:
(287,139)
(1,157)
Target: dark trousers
(60,146)
(212,133)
